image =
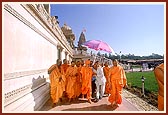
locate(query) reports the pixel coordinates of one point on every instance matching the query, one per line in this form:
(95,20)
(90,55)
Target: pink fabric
(98,45)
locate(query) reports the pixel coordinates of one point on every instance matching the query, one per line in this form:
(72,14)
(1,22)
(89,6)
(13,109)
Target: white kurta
(100,83)
(100,78)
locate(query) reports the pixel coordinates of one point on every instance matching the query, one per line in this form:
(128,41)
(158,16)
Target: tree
(110,56)
(106,56)
(99,54)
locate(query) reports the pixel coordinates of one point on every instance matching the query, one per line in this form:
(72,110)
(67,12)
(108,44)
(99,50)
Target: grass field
(134,79)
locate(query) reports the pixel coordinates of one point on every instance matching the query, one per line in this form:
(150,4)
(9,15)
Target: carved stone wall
(30,40)
(29,92)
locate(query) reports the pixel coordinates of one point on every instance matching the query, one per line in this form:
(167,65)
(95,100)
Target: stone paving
(138,102)
(83,105)
(130,103)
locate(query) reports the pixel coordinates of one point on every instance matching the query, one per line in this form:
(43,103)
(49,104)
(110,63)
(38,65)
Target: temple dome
(66,27)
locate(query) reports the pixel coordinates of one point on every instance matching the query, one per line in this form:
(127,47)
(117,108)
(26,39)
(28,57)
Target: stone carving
(14,75)
(67,31)
(49,20)
(16,94)
(53,20)
(40,8)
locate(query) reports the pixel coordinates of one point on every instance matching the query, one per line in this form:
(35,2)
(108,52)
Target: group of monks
(75,79)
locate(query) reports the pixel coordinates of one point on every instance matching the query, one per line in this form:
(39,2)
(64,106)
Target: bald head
(65,61)
(115,62)
(59,62)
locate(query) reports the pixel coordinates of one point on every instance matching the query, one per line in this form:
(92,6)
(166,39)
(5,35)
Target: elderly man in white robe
(100,82)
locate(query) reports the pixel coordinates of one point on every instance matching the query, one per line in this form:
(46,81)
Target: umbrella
(98,45)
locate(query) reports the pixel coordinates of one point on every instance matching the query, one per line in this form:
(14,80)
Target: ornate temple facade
(32,42)
(70,36)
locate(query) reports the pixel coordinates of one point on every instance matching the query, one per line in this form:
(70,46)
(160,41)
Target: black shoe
(100,98)
(96,100)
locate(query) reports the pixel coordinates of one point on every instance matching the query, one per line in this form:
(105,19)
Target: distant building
(80,51)
(82,40)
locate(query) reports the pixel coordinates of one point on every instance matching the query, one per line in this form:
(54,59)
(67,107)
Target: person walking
(57,82)
(78,83)
(86,72)
(159,75)
(100,82)
(106,72)
(94,69)
(117,80)
(71,75)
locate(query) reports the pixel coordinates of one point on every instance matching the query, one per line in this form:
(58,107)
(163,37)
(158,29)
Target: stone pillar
(66,55)
(63,55)
(59,50)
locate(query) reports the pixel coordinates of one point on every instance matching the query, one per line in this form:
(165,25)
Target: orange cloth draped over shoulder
(78,84)
(86,72)
(57,85)
(106,74)
(71,75)
(118,81)
(65,67)
(159,75)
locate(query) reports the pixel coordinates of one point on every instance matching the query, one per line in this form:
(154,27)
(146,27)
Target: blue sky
(130,28)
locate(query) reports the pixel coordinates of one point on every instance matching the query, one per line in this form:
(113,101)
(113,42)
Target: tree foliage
(133,57)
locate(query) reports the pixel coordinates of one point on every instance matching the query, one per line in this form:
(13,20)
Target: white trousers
(100,88)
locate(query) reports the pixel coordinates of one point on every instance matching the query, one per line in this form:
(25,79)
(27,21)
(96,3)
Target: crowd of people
(85,79)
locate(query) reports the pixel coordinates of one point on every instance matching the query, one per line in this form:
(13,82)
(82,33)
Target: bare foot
(82,96)
(60,99)
(113,104)
(53,105)
(117,105)
(69,100)
(89,100)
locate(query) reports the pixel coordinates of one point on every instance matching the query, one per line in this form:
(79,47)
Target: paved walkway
(83,105)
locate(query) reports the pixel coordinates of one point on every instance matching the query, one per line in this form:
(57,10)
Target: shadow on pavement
(103,107)
(48,105)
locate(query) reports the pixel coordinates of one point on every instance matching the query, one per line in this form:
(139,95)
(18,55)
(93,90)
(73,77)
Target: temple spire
(82,39)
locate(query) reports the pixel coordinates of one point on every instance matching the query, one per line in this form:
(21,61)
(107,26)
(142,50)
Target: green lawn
(150,82)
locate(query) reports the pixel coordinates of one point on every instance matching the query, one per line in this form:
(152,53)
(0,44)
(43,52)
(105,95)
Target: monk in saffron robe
(71,75)
(86,72)
(106,72)
(78,84)
(57,80)
(117,80)
(159,74)
(65,65)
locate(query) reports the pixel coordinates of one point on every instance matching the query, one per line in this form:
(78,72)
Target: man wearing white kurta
(100,83)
